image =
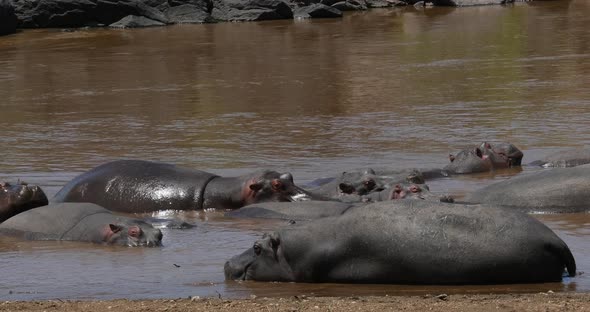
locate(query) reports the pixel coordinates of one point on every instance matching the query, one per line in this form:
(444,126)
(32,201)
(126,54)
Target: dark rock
(378,3)
(133,21)
(317,10)
(79,13)
(250,10)
(188,13)
(469,2)
(350,5)
(7,18)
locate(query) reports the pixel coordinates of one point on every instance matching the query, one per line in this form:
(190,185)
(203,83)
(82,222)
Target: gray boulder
(133,21)
(316,10)
(350,5)
(188,14)
(250,10)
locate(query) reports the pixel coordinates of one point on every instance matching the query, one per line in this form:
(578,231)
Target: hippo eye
(370,184)
(257,249)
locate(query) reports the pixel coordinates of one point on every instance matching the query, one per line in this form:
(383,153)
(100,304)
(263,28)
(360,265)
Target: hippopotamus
(508,150)
(310,210)
(138,186)
(406,191)
(360,183)
(409,242)
(19,197)
(555,190)
(564,159)
(295,211)
(481,159)
(84,222)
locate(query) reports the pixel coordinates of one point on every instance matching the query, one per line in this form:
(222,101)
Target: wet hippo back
(50,222)
(410,242)
(550,190)
(138,186)
(80,222)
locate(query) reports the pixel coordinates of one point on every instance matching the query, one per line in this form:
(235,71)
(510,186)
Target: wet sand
(546,301)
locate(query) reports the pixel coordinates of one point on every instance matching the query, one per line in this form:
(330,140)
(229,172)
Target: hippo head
(272,186)
(400,191)
(265,261)
(469,161)
(503,153)
(133,234)
(19,197)
(365,183)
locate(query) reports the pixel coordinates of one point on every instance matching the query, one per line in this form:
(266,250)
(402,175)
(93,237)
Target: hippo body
(485,157)
(409,242)
(138,186)
(16,198)
(84,222)
(565,159)
(361,183)
(553,190)
(297,211)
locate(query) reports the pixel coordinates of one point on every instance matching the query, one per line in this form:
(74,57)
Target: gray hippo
(360,183)
(508,150)
(554,190)
(296,211)
(311,210)
(19,197)
(409,242)
(138,186)
(84,222)
(406,191)
(564,159)
(477,159)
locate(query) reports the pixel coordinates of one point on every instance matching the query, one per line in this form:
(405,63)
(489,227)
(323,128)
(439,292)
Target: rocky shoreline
(16,14)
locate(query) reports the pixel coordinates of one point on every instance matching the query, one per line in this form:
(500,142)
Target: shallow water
(393,88)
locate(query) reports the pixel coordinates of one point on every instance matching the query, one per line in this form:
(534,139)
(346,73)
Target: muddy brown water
(393,88)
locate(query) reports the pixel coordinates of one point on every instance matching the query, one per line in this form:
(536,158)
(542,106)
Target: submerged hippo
(20,197)
(84,222)
(482,158)
(406,191)
(564,159)
(144,186)
(297,211)
(508,150)
(554,190)
(409,242)
(360,183)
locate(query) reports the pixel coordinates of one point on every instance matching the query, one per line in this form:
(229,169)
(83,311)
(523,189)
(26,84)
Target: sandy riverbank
(493,302)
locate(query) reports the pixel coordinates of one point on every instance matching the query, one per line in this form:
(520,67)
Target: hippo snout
(232,272)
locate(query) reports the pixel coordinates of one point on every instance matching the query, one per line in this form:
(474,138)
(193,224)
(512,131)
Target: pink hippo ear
(255,186)
(134,231)
(115,228)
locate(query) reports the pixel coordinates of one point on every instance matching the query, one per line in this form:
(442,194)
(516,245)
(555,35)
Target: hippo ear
(478,152)
(255,186)
(115,228)
(369,171)
(346,188)
(451,157)
(287,176)
(275,241)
